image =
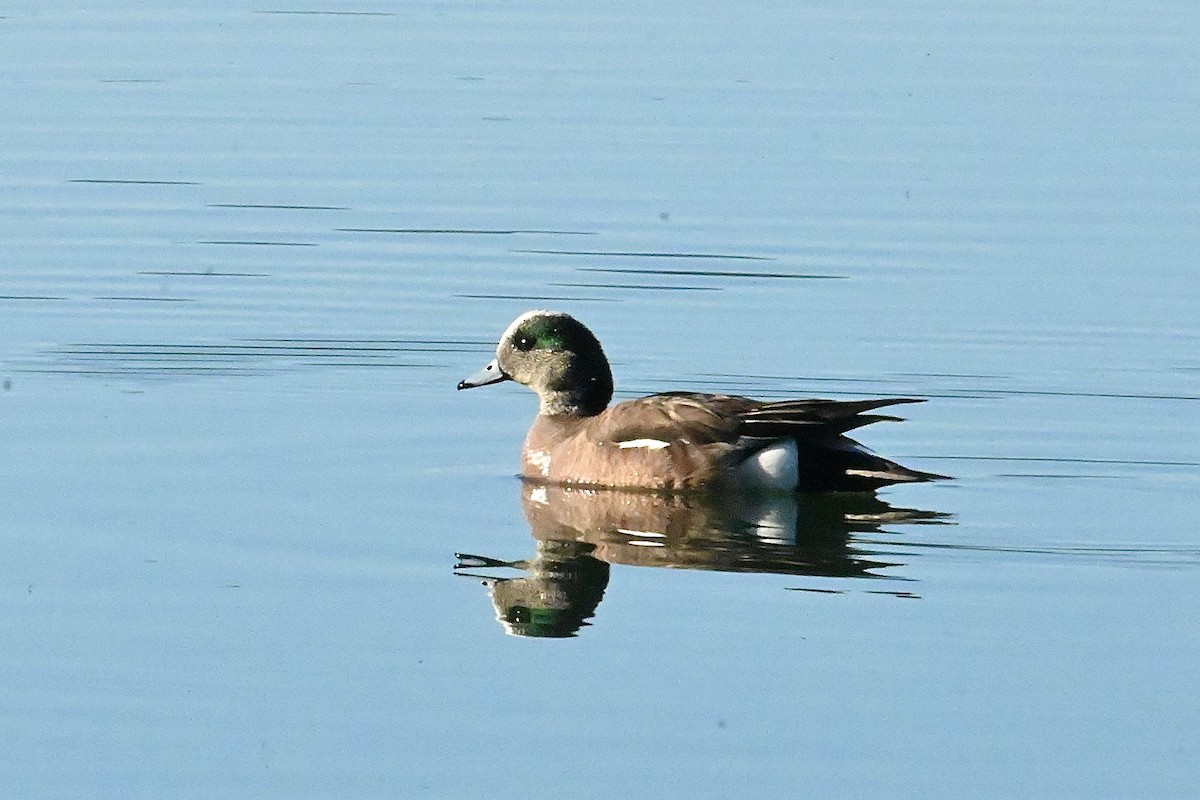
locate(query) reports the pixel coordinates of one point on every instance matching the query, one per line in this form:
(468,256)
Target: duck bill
(489,374)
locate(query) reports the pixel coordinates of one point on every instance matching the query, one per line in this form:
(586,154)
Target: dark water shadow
(580,533)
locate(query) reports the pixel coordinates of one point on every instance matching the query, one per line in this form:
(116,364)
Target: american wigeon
(676,441)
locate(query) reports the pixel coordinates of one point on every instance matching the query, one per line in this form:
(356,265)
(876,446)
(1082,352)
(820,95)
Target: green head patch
(541,333)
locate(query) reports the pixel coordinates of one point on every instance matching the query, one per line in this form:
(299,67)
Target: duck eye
(524,343)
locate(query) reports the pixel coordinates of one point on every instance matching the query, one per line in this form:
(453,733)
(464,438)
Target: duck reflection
(579,533)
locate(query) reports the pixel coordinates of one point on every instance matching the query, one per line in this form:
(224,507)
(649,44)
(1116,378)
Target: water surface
(248,251)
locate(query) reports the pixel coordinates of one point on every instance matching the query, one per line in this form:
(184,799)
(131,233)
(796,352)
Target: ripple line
(470,231)
(279,206)
(647,254)
(329,13)
(716,273)
(148,299)
(1057,460)
(639,286)
(135,182)
(254,243)
(205,273)
(538,297)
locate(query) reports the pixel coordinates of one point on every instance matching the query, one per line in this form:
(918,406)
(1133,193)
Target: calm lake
(254,544)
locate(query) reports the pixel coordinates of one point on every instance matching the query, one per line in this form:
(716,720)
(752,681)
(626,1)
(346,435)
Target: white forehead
(521,320)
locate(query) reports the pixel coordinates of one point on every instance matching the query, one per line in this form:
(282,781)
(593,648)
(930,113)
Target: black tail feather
(829,460)
(842,464)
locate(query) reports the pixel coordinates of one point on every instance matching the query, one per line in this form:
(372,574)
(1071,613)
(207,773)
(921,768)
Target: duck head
(557,357)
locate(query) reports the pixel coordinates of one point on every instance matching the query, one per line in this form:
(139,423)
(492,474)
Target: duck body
(684,441)
(676,441)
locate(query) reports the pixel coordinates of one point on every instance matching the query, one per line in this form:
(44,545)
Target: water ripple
(471,231)
(715,273)
(247,356)
(639,254)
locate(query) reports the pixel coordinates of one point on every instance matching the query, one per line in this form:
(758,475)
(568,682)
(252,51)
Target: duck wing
(799,418)
(674,416)
(708,418)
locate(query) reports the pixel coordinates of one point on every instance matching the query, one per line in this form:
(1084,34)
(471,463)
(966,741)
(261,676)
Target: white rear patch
(541,460)
(773,467)
(538,495)
(649,444)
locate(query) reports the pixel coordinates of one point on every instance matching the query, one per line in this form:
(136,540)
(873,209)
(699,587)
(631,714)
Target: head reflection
(579,533)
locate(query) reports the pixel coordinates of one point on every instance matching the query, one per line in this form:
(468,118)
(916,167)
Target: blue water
(246,252)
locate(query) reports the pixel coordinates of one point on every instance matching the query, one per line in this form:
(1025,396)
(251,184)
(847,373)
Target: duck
(677,441)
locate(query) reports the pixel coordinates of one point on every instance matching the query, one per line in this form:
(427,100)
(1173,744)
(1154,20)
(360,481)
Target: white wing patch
(649,444)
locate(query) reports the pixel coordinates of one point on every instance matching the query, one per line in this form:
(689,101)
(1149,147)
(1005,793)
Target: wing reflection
(579,533)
